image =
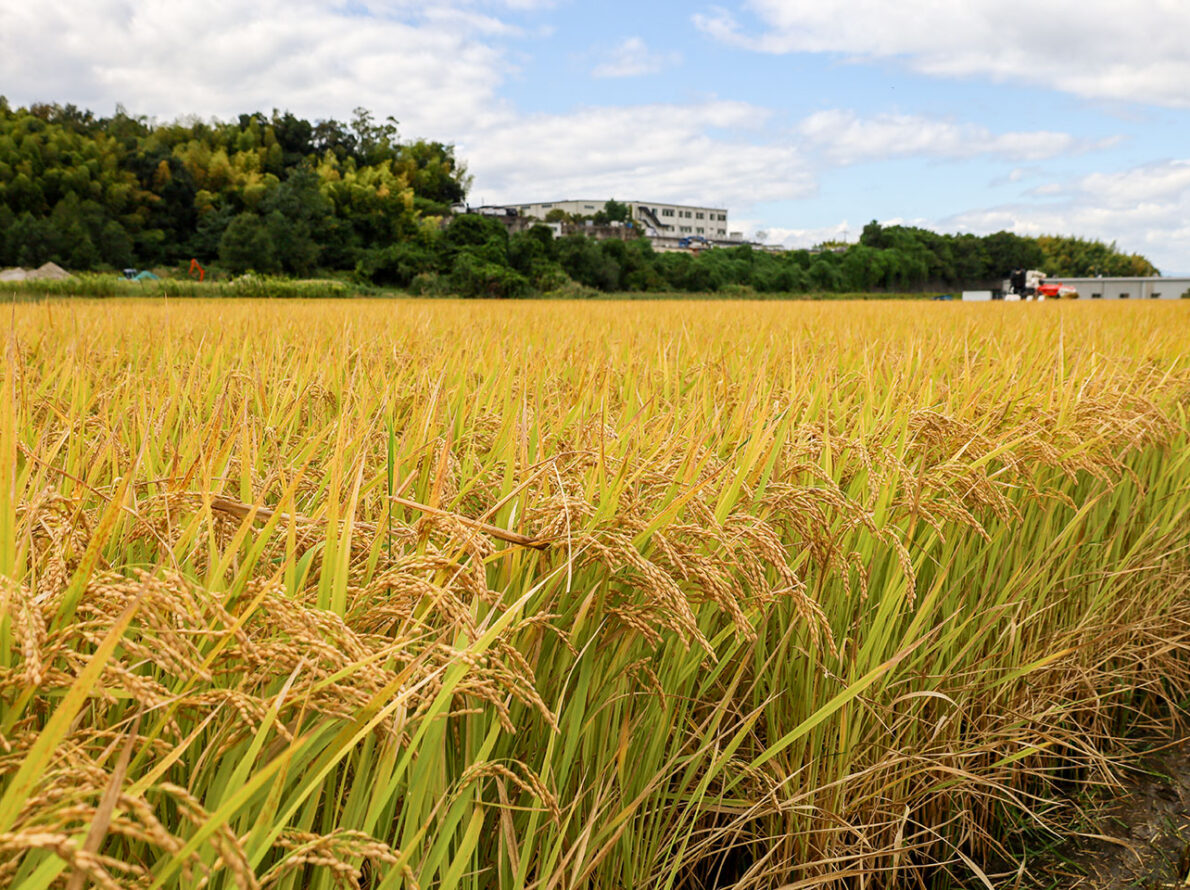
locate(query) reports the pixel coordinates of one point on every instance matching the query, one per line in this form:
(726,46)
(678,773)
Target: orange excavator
(196,267)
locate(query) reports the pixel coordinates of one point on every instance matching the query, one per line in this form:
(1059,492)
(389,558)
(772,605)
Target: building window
(588,207)
(722,231)
(684,228)
(701,230)
(546,206)
(667,212)
(699,215)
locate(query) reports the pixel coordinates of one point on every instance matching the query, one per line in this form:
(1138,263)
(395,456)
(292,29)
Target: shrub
(474,276)
(429,284)
(397,264)
(286,288)
(572,290)
(738,291)
(548,276)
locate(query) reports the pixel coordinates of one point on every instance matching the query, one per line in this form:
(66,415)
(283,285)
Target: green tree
(586,263)
(246,246)
(473,276)
(617,211)
(296,215)
(873,236)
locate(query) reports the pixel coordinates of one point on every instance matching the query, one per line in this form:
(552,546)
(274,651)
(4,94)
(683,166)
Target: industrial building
(1101,288)
(661,223)
(1129,288)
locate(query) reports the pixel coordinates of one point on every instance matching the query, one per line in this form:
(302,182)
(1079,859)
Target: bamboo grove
(555,595)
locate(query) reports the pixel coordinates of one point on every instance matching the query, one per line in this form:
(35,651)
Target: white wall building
(657,220)
(1127,288)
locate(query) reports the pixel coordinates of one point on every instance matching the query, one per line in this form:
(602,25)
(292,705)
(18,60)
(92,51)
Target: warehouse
(1128,288)
(1100,288)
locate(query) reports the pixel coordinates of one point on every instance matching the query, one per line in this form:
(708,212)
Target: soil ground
(1140,841)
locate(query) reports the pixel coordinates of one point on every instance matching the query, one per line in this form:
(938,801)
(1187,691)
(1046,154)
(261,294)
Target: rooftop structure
(661,222)
(1101,288)
(1153,288)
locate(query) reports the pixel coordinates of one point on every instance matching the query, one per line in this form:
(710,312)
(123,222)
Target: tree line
(282,195)
(476,256)
(276,194)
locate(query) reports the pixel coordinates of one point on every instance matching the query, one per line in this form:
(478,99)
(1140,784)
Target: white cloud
(431,64)
(1158,182)
(633,58)
(1144,209)
(439,67)
(650,152)
(436,65)
(1101,49)
(845,138)
(795,238)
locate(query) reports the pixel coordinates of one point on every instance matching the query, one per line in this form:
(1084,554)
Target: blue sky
(805,118)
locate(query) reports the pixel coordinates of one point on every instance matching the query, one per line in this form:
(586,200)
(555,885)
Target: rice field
(563,595)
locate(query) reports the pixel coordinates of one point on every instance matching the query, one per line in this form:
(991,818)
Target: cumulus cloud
(431,64)
(846,138)
(1100,49)
(1020,174)
(436,65)
(1145,209)
(657,152)
(796,239)
(633,58)
(439,66)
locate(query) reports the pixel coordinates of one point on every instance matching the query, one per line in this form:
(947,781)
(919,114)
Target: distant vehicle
(1031,284)
(694,242)
(1056,292)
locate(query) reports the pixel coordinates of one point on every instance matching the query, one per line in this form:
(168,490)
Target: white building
(1127,288)
(656,220)
(1138,288)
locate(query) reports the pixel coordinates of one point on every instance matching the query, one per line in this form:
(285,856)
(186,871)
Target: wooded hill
(279,194)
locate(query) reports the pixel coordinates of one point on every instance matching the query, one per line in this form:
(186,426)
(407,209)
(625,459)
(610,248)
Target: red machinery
(195,266)
(1054,291)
